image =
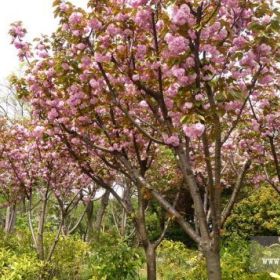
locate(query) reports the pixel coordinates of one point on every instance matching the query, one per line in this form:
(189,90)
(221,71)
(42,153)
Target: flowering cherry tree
(263,120)
(123,78)
(33,166)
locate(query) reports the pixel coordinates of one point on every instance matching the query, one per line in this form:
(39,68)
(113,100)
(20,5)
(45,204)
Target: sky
(37,16)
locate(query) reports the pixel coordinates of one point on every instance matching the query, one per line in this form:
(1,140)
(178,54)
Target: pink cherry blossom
(194,131)
(75,18)
(180,15)
(173,140)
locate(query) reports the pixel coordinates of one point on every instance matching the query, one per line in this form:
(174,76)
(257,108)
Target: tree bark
(150,252)
(101,212)
(90,220)
(212,257)
(41,225)
(10,219)
(51,252)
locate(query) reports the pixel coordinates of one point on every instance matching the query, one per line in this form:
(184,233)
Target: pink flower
(239,42)
(95,24)
(187,105)
(180,16)
(266,19)
(264,103)
(65,66)
(93,83)
(38,131)
(255,125)
(194,131)
(76,33)
(137,3)
(75,18)
(264,49)
(113,30)
(53,114)
(143,104)
(169,103)
(172,140)
(143,18)
(17,30)
(75,141)
(176,44)
(135,77)
(43,54)
(63,7)
(266,80)
(101,58)
(190,62)
(178,72)
(81,46)
(141,51)
(231,3)
(199,97)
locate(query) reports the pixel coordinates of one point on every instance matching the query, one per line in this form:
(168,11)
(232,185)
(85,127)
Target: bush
(112,259)
(176,262)
(256,215)
(20,267)
(70,257)
(235,260)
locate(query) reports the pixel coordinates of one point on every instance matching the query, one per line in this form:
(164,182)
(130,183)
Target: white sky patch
(37,17)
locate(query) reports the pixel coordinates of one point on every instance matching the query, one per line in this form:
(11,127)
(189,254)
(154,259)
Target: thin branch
(239,183)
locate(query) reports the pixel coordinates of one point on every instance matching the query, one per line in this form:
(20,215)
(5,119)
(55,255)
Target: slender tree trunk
(30,224)
(10,219)
(52,249)
(70,231)
(65,230)
(101,212)
(150,252)
(40,234)
(7,219)
(123,223)
(89,212)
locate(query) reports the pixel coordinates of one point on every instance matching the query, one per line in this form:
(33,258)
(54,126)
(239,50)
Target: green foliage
(176,262)
(18,258)
(236,260)
(19,242)
(256,215)
(20,267)
(112,259)
(70,257)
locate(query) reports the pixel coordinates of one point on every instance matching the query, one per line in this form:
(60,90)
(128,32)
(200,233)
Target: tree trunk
(89,212)
(150,252)
(10,218)
(51,252)
(213,264)
(123,223)
(101,212)
(41,225)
